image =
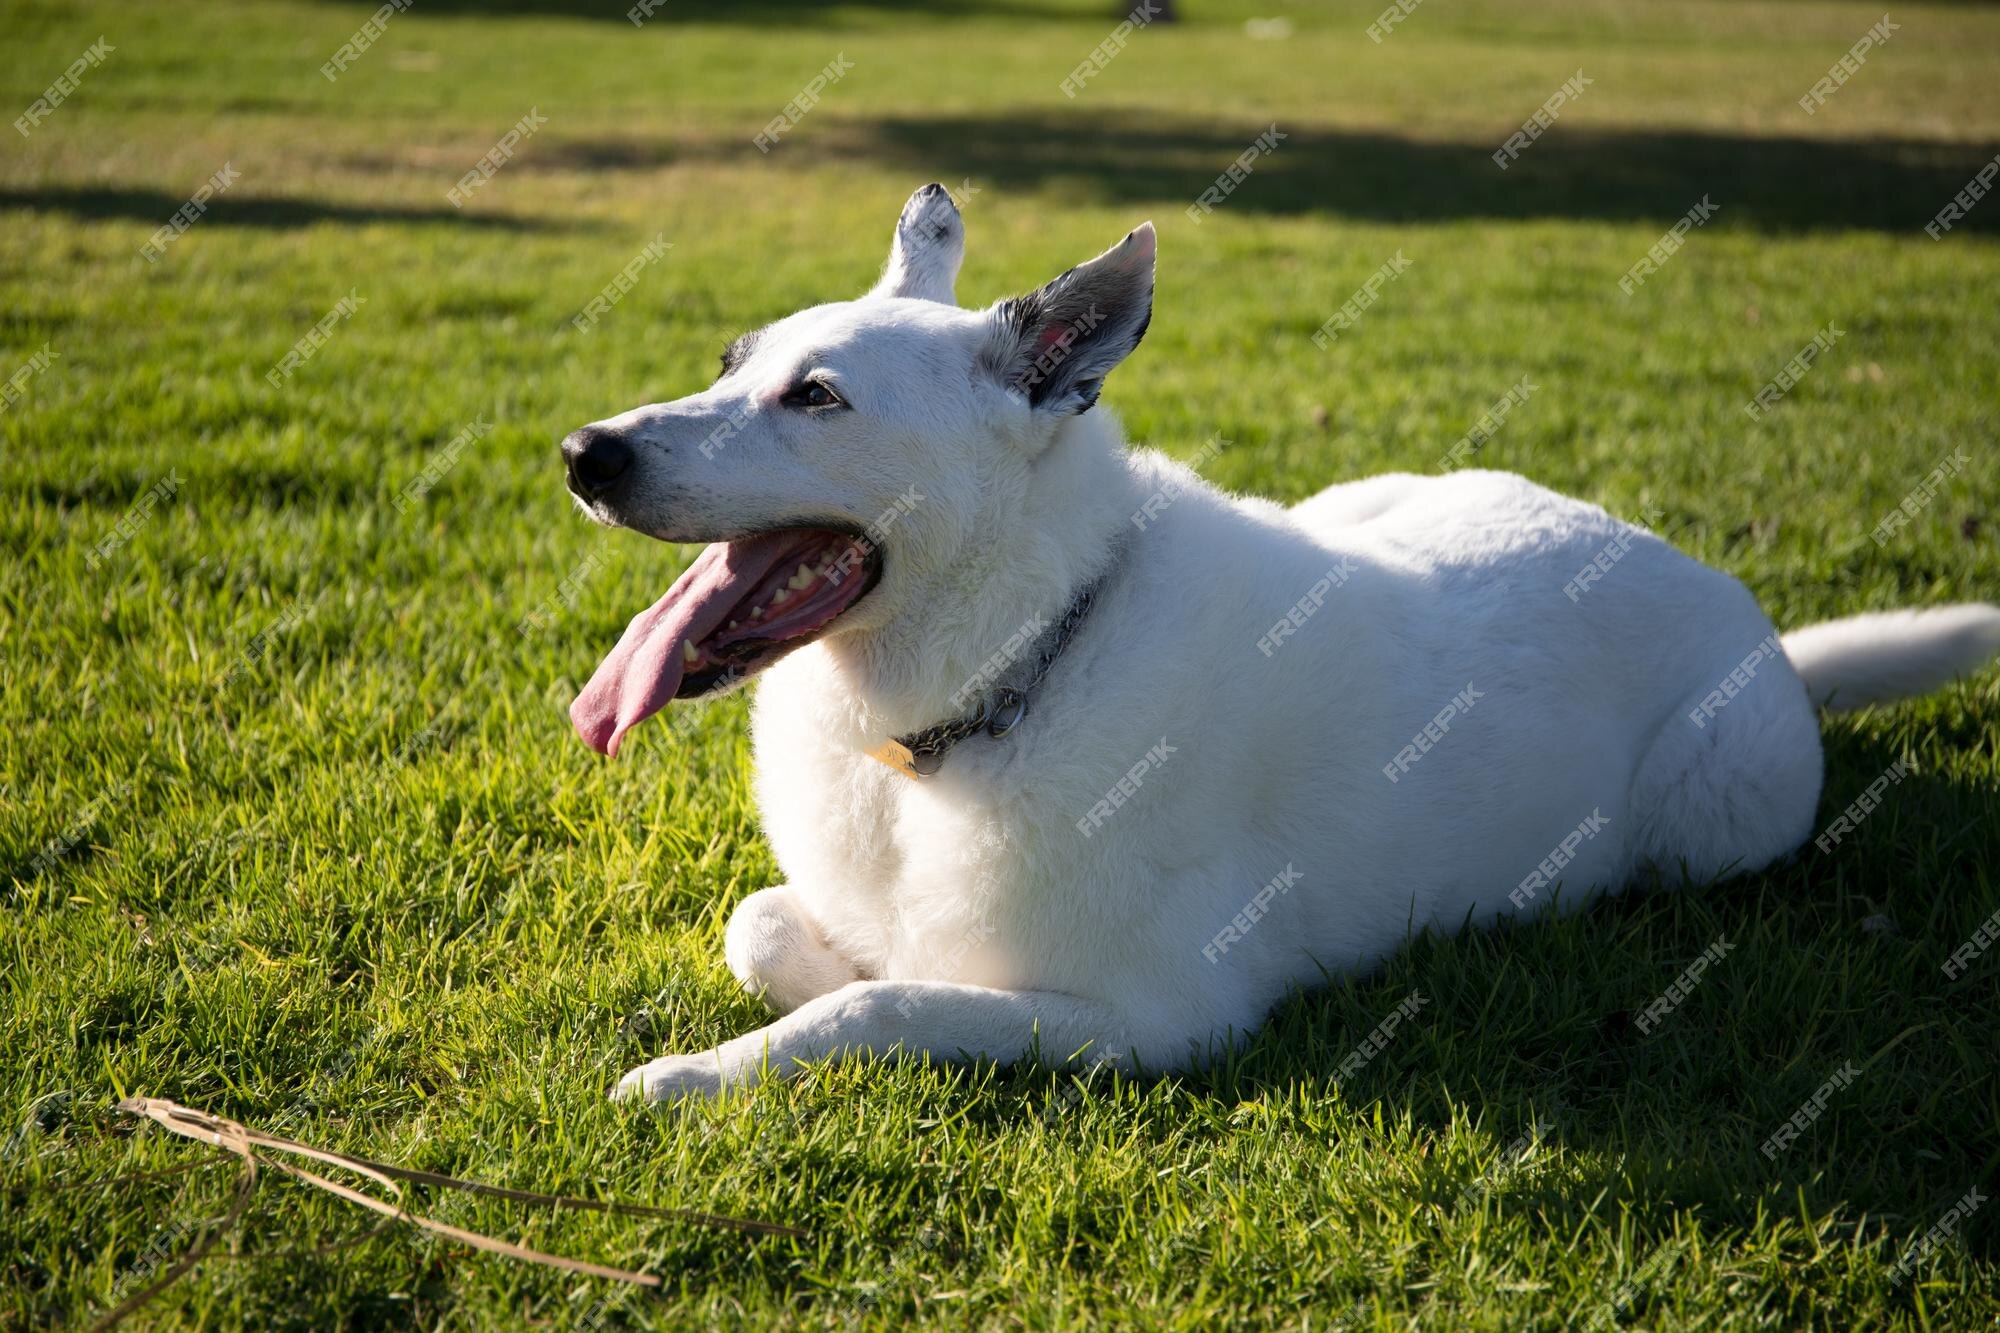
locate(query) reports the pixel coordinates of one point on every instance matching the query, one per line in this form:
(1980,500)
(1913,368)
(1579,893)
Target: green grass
(339,864)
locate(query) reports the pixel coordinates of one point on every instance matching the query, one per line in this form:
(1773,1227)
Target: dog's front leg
(941,1020)
(780,954)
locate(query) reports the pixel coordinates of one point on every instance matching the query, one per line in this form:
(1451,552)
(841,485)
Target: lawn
(293,827)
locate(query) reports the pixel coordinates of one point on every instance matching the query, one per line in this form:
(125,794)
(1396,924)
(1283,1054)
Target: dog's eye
(812,393)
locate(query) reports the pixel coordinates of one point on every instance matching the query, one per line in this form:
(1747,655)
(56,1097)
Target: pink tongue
(640,676)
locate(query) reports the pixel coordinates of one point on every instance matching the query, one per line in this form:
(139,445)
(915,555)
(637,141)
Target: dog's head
(845,455)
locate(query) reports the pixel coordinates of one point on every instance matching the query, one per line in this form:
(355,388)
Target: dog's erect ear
(1056,344)
(928,248)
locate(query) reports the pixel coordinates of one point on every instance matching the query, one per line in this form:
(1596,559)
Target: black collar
(921,753)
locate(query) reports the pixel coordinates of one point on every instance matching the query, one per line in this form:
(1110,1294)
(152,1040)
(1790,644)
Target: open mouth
(740,606)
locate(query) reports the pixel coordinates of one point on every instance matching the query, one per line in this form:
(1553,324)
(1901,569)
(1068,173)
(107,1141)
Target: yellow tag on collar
(897,756)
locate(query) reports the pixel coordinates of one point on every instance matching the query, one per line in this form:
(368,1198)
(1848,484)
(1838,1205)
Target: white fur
(1892,654)
(967,915)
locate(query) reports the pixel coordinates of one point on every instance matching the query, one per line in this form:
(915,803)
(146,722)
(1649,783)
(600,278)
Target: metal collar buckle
(920,754)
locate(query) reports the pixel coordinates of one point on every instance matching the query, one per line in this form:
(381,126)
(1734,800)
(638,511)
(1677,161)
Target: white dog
(1064,751)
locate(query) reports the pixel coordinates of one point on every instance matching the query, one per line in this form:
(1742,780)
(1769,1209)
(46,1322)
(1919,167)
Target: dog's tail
(1892,654)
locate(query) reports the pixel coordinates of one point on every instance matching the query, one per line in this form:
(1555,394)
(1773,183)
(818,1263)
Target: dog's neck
(1020,568)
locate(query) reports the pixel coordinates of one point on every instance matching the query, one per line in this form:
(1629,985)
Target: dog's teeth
(756,613)
(782,594)
(690,654)
(800,581)
(735,624)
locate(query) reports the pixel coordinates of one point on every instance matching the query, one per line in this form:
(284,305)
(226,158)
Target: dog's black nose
(597,456)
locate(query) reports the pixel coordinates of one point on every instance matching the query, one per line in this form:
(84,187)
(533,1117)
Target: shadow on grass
(1771,184)
(1776,185)
(1537,1023)
(155,208)
(1151,163)
(759,13)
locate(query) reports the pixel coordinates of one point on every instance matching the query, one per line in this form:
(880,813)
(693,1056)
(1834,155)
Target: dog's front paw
(672,1077)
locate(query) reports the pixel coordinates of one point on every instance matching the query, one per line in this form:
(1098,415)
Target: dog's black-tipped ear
(1056,344)
(928,248)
